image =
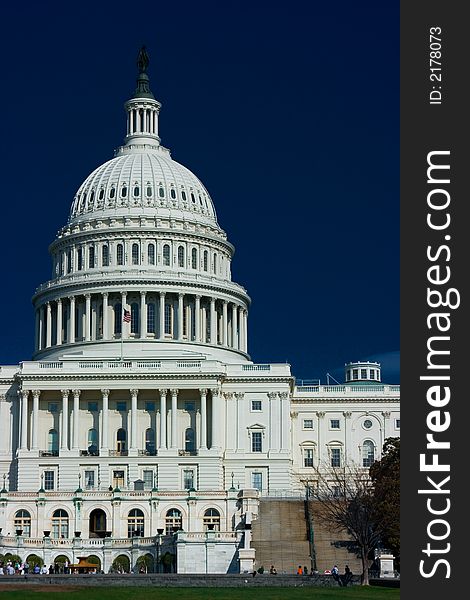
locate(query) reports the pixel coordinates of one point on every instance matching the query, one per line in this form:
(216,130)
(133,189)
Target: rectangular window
(397,423)
(93,406)
(256,441)
(121,406)
(118,479)
(256,405)
(308,457)
(363,373)
(168,319)
(89,479)
(188,479)
(151,318)
(308,423)
(150,406)
(48,480)
(53,407)
(147,476)
(355,374)
(334,424)
(372,374)
(257,481)
(335,457)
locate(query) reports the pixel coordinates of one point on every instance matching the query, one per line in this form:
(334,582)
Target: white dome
(144,182)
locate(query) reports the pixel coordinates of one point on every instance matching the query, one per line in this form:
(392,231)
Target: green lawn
(160,593)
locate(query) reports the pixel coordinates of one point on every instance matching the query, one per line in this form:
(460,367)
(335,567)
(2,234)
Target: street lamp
(159,543)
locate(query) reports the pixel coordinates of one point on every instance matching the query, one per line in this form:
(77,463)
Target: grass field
(159,593)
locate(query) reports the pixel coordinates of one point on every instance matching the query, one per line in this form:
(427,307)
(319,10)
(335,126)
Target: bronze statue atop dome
(143,60)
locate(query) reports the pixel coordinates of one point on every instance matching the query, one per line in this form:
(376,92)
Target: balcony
(118,453)
(48,453)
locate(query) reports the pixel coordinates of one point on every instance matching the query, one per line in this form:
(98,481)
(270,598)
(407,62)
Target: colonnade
(181,317)
(69,421)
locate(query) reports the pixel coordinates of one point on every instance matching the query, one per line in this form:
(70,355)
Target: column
(24,420)
(234,326)
(240,328)
(124,326)
(49,326)
(143,315)
(104,420)
(162,444)
(203,393)
(76,412)
(213,323)
(224,324)
(41,328)
(197,316)
(162,315)
(285,420)
(245,331)
(87,316)
(239,396)
(105,316)
(174,415)
(72,320)
(36,330)
(217,419)
(274,421)
(231,420)
(59,322)
(133,444)
(36,394)
(65,420)
(180,316)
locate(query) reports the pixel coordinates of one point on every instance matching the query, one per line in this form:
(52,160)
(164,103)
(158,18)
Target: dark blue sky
(289,114)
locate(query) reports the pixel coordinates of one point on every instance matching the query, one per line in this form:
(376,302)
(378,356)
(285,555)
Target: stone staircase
(281,538)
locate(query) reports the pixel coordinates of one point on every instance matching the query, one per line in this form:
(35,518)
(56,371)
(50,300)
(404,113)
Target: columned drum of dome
(142,237)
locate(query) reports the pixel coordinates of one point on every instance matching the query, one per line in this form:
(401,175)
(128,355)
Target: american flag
(126,316)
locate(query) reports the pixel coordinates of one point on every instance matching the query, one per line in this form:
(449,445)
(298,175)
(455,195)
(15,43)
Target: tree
(346,502)
(385,476)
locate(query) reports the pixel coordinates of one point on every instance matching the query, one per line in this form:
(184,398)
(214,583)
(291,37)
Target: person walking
(299,570)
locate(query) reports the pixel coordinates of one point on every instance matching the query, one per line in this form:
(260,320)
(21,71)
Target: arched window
(215,262)
(136,191)
(117,318)
(23,522)
(173,193)
(173,521)
(91,257)
(151,318)
(101,194)
(92,441)
(120,254)
(205,260)
(69,261)
(368,453)
(180,256)
(193,198)
(135,523)
(189,440)
(161,192)
(135,254)
(151,254)
(121,440)
(194,258)
(53,441)
(149,191)
(166,255)
(135,318)
(112,193)
(124,191)
(60,524)
(183,195)
(80,259)
(168,319)
(105,255)
(150,441)
(211,520)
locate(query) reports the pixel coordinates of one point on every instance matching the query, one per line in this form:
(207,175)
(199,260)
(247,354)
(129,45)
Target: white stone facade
(120,433)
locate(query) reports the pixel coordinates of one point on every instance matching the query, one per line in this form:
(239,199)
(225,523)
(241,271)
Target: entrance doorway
(97,523)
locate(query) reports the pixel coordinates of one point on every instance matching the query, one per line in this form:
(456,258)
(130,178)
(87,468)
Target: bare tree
(345,501)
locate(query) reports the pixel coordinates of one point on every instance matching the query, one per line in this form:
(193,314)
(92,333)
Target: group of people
(24,568)
(305,571)
(344,579)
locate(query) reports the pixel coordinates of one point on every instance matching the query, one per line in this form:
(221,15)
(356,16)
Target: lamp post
(159,543)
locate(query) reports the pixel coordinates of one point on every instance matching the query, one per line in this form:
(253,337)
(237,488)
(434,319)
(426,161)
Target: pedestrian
(335,573)
(272,570)
(26,567)
(346,578)
(305,571)
(299,570)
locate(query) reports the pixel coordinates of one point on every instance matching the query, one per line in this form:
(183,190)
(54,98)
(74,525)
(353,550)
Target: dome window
(120,254)
(183,195)
(112,193)
(161,192)
(173,193)
(151,254)
(136,191)
(194,258)
(91,257)
(135,254)
(135,318)
(193,198)
(200,201)
(215,263)
(92,195)
(149,191)
(101,195)
(124,191)
(180,256)
(166,255)
(105,255)
(205,260)
(79,259)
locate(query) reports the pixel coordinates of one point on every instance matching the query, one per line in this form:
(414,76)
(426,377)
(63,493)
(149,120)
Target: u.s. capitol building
(141,427)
